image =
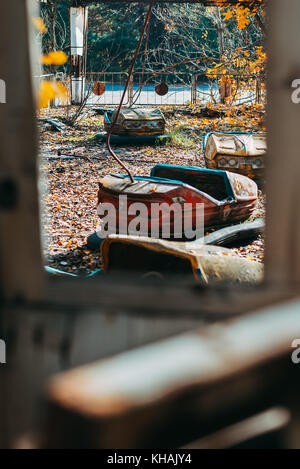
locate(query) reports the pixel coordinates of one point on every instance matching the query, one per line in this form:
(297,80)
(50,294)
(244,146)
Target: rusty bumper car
(226,198)
(136,126)
(239,152)
(149,258)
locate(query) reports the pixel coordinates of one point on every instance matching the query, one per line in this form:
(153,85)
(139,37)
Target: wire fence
(167,89)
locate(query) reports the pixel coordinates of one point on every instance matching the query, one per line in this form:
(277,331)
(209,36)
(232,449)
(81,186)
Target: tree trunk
(220,30)
(53,11)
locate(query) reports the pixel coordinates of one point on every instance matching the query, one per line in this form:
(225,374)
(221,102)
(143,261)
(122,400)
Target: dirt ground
(71,164)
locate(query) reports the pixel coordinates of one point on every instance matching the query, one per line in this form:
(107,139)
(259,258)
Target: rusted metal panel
(219,184)
(99,88)
(162,89)
(157,258)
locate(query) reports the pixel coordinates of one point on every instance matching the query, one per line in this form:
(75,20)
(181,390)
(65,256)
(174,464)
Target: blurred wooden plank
(283,162)
(43,342)
(35,344)
(211,370)
(207,302)
(267,423)
(21,273)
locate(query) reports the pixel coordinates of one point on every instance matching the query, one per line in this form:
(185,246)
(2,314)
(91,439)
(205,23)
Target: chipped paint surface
(225,197)
(207,263)
(242,153)
(136,122)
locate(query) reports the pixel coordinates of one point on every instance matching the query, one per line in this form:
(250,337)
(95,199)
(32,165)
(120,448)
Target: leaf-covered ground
(72,162)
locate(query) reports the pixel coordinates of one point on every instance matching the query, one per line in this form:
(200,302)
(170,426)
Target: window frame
(27,282)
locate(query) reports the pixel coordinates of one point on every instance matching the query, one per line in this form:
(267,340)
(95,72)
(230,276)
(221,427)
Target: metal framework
(184,88)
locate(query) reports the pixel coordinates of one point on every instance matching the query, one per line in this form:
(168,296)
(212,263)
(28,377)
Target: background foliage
(178,32)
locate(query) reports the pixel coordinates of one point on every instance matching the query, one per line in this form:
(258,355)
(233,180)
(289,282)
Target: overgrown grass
(181,139)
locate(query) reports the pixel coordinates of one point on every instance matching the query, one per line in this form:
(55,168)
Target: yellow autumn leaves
(54,58)
(39,24)
(50,90)
(240,63)
(240,11)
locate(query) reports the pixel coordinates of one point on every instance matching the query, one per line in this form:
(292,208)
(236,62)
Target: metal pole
(113,154)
